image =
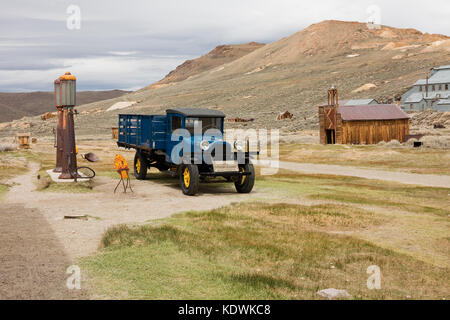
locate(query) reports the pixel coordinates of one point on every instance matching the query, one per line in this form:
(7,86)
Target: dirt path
(429,180)
(150,200)
(33,261)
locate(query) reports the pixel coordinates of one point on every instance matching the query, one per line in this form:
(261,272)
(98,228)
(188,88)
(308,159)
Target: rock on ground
(332,293)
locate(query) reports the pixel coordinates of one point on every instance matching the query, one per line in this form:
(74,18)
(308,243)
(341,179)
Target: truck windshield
(203,124)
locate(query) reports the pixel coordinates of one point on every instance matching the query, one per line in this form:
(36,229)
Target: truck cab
(189,143)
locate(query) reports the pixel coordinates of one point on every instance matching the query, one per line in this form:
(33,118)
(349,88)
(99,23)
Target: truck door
(174,122)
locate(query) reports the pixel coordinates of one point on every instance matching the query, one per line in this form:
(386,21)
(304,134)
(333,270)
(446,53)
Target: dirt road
(33,261)
(428,180)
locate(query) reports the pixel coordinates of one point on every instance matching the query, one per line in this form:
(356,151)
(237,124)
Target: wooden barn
(361,124)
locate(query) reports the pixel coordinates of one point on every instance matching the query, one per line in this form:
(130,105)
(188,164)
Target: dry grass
(417,216)
(45,183)
(256,251)
(11,164)
(442,142)
(5,147)
(359,191)
(401,158)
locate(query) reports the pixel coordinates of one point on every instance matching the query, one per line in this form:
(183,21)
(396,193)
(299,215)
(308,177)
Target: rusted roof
(372,112)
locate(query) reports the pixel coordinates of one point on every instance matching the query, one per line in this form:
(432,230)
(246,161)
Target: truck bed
(142,131)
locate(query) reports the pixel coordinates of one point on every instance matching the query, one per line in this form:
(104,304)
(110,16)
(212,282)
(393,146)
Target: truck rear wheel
(140,166)
(189,179)
(245,183)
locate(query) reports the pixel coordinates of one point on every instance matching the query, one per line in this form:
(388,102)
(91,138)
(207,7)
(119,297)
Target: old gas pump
(65,100)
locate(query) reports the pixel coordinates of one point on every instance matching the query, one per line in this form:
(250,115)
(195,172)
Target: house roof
(442,67)
(375,112)
(444,101)
(440,76)
(414,97)
(419,96)
(357,102)
(197,112)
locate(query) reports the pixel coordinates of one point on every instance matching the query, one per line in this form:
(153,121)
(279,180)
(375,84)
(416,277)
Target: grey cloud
(30,66)
(163,33)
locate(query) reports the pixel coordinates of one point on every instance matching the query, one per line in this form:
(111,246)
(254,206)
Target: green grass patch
(3,190)
(255,251)
(361,191)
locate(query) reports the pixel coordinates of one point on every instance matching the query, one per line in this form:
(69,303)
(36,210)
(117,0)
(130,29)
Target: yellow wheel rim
(241,169)
(187,177)
(138,165)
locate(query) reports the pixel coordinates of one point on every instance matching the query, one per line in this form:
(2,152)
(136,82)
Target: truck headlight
(239,145)
(204,145)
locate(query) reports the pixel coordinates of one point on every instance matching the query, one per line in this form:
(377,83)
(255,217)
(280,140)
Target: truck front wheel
(245,183)
(140,166)
(189,179)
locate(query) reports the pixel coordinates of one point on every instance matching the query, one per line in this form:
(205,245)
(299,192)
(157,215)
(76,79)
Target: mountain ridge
(292,74)
(220,55)
(17,105)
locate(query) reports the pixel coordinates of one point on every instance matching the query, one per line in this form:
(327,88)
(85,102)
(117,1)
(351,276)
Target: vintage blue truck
(187,142)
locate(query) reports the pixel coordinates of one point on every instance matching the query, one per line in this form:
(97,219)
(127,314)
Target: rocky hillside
(219,56)
(17,105)
(292,74)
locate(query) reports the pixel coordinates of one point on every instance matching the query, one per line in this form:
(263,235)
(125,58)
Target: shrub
(393,143)
(441,142)
(4,147)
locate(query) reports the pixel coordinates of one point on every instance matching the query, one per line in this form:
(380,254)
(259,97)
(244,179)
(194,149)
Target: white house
(431,94)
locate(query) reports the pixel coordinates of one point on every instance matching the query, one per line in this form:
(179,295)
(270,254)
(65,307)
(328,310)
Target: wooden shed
(23,140)
(362,124)
(115,132)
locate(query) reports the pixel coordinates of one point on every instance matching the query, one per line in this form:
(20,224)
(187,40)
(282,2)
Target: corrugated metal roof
(442,67)
(441,76)
(357,102)
(418,96)
(375,112)
(414,97)
(444,101)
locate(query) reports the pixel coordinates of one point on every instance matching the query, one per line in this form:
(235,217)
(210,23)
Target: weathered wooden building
(24,140)
(361,124)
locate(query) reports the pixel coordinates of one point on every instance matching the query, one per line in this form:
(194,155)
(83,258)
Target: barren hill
(337,37)
(18,105)
(291,74)
(219,56)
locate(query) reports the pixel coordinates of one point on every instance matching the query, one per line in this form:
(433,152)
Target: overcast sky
(130,44)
